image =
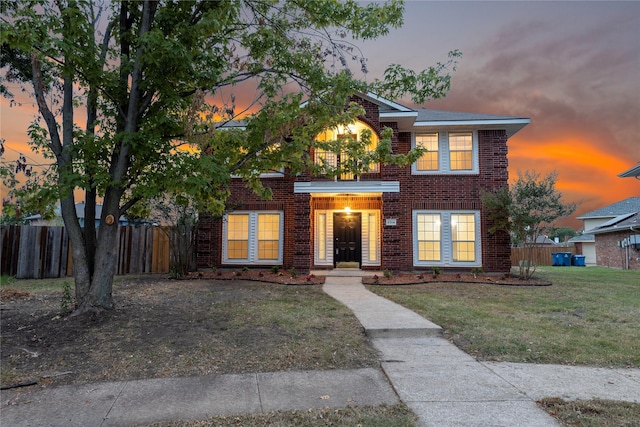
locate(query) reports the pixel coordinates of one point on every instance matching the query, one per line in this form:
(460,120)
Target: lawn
(589,316)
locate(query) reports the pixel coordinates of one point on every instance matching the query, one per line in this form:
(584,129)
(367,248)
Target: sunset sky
(572,67)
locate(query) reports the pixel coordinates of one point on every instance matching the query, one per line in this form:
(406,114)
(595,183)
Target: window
(460,151)
(446,238)
(429,160)
(332,160)
(447,153)
(372,233)
(321,226)
(463,237)
(238,236)
(253,238)
(268,236)
(428,230)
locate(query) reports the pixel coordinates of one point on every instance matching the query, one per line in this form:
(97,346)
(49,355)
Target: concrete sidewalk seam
(113,404)
(255,376)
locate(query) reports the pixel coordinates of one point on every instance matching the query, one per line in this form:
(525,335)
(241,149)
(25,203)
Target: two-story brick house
(398,218)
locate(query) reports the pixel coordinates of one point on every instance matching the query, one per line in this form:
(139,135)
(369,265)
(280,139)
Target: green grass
(35,285)
(589,316)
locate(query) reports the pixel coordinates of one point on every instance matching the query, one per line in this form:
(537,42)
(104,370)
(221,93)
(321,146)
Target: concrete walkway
(441,384)
(446,387)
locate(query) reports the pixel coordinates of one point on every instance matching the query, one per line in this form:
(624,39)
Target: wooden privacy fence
(36,252)
(541,254)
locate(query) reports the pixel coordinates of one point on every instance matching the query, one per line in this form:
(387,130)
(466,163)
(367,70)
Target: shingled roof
(626,206)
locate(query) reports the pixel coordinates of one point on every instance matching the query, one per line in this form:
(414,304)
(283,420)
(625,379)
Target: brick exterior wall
(438,192)
(608,254)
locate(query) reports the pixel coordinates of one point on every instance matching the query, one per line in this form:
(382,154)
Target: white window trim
(253,240)
(446,244)
(443,155)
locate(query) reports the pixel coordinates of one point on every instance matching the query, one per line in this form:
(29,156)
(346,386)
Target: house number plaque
(391,222)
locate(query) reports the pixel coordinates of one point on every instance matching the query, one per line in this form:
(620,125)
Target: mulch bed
(417,278)
(281,277)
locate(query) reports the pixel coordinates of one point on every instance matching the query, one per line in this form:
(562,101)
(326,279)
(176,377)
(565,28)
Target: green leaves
(527,210)
(187,53)
(432,83)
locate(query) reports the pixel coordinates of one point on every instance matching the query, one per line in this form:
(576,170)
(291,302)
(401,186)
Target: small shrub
(310,277)
(388,274)
(475,271)
(376,279)
(293,272)
(275,269)
(245,269)
(66,302)
(436,271)
(175,273)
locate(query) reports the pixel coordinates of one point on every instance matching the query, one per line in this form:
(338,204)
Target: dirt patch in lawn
(170,328)
(417,278)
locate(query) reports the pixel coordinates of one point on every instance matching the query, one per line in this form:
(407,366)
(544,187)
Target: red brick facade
(417,192)
(609,253)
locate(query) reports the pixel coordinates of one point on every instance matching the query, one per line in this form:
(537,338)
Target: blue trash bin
(579,260)
(566,259)
(556,259)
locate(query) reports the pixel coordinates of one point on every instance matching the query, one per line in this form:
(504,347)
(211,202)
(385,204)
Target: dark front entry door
(347,241)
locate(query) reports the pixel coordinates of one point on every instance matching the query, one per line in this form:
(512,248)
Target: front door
(347,243)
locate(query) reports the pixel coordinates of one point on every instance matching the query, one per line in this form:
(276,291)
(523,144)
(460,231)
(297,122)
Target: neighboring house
(585,244)
(421,216)
(605,231)
(634,172)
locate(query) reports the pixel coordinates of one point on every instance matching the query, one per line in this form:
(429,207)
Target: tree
(562,233)
(148,74)
(23,200)
(527,210)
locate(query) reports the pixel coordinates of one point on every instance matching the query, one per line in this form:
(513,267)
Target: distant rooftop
(633,172)
(626,206)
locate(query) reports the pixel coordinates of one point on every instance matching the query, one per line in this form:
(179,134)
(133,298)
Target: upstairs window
(429,160)
(335,159)
(446,153)
(460,151)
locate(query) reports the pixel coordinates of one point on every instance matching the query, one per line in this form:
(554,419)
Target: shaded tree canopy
(145,75)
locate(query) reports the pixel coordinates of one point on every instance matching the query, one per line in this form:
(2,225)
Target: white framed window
(254,237)
(463,237)
(460,151)
(428,237)
(447,153)
(429,160)
(446,238)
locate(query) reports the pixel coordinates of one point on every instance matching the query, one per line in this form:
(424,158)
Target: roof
(420,118)
(585,237)
(633,172)
(620,223)
(630,205)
